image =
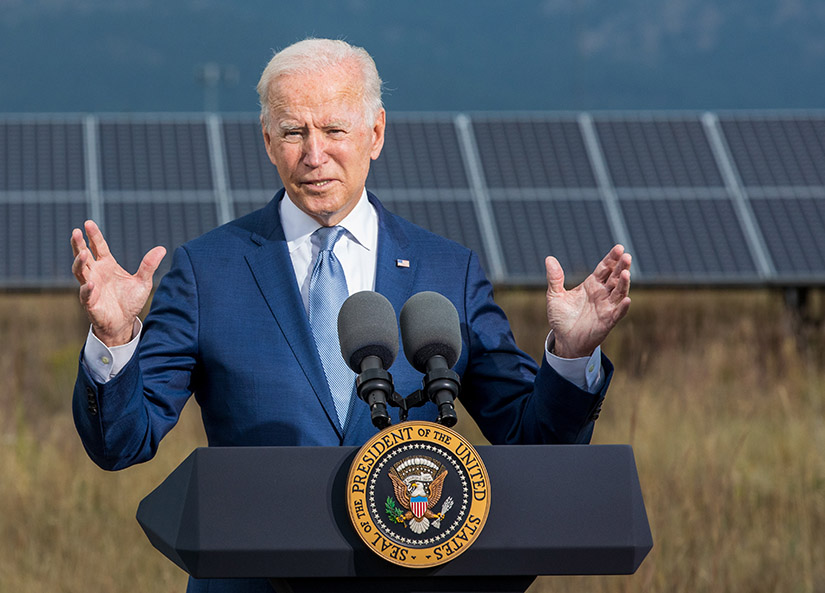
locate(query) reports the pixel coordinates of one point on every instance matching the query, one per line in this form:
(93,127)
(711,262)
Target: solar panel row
(159,156)
(715,198)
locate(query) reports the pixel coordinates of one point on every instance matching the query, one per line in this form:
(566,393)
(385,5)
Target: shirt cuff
(585,372)
(104,363)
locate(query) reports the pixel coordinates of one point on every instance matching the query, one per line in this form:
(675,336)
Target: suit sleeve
(122,421)
(513,400)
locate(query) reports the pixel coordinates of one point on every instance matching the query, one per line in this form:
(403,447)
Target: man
(232,320)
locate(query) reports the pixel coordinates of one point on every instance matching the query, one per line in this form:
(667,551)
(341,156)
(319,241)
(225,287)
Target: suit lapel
(393,278)
(272,268)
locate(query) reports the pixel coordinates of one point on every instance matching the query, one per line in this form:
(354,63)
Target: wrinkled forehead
(335,94)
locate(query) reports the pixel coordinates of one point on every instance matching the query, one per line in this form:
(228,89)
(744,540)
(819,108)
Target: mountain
(144,55)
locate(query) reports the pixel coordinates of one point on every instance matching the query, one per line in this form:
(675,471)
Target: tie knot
(328,236)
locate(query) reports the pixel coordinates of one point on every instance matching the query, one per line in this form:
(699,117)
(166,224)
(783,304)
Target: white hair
(312,55)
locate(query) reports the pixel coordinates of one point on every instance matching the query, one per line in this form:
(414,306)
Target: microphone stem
(441,385)
(374,386)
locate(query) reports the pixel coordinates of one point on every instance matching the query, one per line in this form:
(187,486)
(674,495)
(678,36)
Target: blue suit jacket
(227,324)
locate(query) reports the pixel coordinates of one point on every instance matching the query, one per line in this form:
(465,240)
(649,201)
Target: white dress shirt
(357,252)
(356,249)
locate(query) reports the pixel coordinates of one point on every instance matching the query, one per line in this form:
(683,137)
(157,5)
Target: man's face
(321,142)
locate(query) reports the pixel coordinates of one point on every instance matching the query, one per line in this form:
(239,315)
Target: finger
(555,275)
(608,263)
(621,266)
(620,292)
(77,241)
(621,310)
(80,266)
(97,243)
(150,263)
(86,293)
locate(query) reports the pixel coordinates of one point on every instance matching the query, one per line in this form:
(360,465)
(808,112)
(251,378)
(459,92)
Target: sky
(481,55)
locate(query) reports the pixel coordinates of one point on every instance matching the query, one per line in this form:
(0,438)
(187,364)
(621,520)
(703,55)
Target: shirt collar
(361,223)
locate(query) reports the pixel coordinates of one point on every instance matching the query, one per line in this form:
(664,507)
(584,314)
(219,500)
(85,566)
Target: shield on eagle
(418,506)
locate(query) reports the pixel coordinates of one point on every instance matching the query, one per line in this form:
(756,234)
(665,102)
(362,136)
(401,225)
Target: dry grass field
(721,394)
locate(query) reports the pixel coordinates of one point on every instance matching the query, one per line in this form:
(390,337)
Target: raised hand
(582,317)
(111,296)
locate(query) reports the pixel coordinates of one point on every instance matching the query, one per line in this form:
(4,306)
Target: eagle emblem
(417,483)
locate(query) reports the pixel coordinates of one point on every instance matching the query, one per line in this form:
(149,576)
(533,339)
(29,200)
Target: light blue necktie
(327,292)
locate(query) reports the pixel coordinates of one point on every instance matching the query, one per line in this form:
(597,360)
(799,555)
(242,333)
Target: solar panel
(34,240)
(41,156)
(419,154)
(538,152)
(688,240)
(154,155)
(777,151)
(133,227)
(575,231)
(536,193)
(248,201)
(793,230)
(248,165)
(657,153)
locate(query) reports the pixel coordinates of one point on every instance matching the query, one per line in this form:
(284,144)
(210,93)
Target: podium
(280,513)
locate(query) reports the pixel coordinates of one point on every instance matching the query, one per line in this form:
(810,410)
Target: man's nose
(315,150)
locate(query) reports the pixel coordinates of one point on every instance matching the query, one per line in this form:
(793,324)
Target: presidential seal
(418,494)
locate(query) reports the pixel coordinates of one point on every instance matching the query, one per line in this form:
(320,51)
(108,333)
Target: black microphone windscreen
(430,327)
(367,327)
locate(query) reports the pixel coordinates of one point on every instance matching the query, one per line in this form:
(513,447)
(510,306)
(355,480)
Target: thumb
(555,275)
(150,263)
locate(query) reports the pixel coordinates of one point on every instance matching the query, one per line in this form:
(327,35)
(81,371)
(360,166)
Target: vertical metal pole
(223,197)
(753,236)
(615,218)
(481,197)
(90,150)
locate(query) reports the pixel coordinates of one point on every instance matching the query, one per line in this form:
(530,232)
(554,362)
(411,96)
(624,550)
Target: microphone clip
(441,386)
(375,387)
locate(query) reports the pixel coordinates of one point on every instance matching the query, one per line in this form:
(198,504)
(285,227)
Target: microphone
(368,335)
(431,334)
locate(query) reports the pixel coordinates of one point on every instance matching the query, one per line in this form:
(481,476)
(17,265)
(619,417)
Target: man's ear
(378,134)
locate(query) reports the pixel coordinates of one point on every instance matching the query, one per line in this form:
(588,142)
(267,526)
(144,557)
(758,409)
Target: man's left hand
(582,317)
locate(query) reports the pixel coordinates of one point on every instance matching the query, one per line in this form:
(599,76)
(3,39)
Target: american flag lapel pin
(402,263)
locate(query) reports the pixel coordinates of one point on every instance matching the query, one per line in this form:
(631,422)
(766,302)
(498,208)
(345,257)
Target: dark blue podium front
(280,513)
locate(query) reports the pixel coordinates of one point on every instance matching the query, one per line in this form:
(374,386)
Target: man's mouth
(319,184)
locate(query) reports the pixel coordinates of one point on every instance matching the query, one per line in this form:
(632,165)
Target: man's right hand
(112,297)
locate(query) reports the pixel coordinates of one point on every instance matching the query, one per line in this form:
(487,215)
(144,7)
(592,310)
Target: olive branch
(393,511)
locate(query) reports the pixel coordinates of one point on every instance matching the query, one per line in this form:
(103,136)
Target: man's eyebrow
(287,125)
(338,124)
